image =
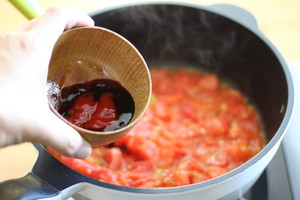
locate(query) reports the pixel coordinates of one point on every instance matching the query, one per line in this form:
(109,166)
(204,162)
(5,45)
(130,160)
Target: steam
(198,35)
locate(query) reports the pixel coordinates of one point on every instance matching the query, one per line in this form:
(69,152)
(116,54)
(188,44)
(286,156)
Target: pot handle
(27,187)
(237,14)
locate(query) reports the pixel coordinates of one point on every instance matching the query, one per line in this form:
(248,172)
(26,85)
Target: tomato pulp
(195,129)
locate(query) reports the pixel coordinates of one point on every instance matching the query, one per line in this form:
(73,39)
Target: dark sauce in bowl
(97,105)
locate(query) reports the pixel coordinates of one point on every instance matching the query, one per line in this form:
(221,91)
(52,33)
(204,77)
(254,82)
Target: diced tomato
(91,114)
(196,177)
(139,180)
(179,153)
(168,155)
(82,110)
(189,111)
(195,130)
(143,149)
(114,158)
(142,166)
(162,111)
(215,171)
(193,165)
(181,177)
(250,128)
(209,82)
(86,168)
(216,126)
(219,158)
(239,150)
(123,140)
(210,141)
(104,114)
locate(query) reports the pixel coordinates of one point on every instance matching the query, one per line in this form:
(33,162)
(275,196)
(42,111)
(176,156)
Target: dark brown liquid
(123,101)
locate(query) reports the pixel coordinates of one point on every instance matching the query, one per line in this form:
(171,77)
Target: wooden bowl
(89,53)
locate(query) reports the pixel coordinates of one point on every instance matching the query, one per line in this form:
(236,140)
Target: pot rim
(272,143)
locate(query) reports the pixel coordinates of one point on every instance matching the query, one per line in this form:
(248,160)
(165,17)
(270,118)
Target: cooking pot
(221,39)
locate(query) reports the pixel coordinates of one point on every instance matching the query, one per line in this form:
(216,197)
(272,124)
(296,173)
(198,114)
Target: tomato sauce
(196,128)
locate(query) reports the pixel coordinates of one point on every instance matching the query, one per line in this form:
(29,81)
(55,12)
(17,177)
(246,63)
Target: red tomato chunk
(195,129)
(92,115)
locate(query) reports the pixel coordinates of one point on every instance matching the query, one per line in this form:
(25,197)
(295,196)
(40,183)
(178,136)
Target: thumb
(55,133)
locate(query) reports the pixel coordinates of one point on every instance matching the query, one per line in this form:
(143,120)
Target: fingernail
(84,151)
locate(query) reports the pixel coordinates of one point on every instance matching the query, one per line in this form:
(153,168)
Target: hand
(24,58)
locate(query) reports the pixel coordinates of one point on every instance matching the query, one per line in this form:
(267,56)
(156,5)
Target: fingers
(58,19)
(54,133)
(28,49)
(26,117)
(49,26)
